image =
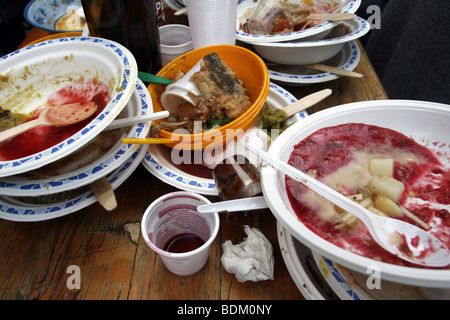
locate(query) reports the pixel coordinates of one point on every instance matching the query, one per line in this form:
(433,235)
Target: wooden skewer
(180,12)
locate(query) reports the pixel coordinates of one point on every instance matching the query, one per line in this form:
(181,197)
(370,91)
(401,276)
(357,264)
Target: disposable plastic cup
(180,91)
(212,22)
(175,41)
(174,216)
(262,20)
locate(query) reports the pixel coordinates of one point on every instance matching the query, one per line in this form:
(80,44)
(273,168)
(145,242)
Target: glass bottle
(237,178)
(132,23)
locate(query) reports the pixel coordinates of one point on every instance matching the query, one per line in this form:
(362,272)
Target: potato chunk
(388,206)
(387,186)
(381,167)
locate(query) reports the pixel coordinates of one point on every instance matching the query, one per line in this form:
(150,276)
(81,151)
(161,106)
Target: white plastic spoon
(422,247)
(119,123)
(253,203)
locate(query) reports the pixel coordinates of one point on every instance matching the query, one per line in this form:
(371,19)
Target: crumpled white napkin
(250,260)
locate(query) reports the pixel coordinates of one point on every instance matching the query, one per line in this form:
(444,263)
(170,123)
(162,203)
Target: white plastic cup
(173,215)
(180,91)
(262,20)
(212,22)
(175,41)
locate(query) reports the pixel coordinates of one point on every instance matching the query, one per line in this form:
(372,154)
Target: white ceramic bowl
(425,122)
(305,52)
(246,7)
(55,64)
(44,14)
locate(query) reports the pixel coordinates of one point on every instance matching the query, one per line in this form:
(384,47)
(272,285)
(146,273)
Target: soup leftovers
(381,169)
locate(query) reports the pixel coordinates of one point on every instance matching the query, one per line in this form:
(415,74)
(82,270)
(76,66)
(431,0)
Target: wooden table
(114,261)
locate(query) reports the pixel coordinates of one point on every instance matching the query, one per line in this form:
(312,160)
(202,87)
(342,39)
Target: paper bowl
(54,64)
(425,122)
(246,7)
(55,16)
(305,52)
(249,68)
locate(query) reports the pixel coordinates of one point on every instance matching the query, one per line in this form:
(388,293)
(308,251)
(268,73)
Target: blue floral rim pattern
(78,178)
(246,37)
(44,14)
(185,182)
(350,63)
(127,82)
(12,210)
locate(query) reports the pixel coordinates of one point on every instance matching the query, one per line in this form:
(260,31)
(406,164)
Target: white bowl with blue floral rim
(158,159)
(245,9)
(55,15)
(38,70)
(306,52)
(425,122)
(98,158)
(31,209)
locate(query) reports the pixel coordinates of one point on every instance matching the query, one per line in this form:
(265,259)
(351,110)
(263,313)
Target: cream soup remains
(384,170)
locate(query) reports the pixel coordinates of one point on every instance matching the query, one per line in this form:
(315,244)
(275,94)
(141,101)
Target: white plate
(351,285)
(348,58)
(44,14)
(427,123)
(92,58)
(158,162)
(74,176)
(245,7)
(15,210)
(298,267)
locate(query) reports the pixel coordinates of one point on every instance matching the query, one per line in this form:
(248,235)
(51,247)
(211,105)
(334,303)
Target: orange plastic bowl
(250,69)
(56,36)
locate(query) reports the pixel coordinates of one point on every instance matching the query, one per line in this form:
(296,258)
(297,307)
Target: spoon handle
(119,123)
(315,185)
(11,133)
(252,203)
(151,78)
(343,16)
(335,70)
(306,102)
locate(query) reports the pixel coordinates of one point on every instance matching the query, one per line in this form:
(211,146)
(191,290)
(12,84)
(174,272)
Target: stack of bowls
(284,53)
(49,183)
(428,125)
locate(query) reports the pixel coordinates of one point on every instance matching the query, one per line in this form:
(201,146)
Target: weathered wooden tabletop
(37,259)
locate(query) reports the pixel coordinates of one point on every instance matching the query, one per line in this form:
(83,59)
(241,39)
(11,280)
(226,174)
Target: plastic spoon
(419,247)
(253,203)
(119,123)
(151,78)
(57,116)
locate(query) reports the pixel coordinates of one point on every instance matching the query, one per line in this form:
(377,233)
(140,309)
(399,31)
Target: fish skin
(219,72)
